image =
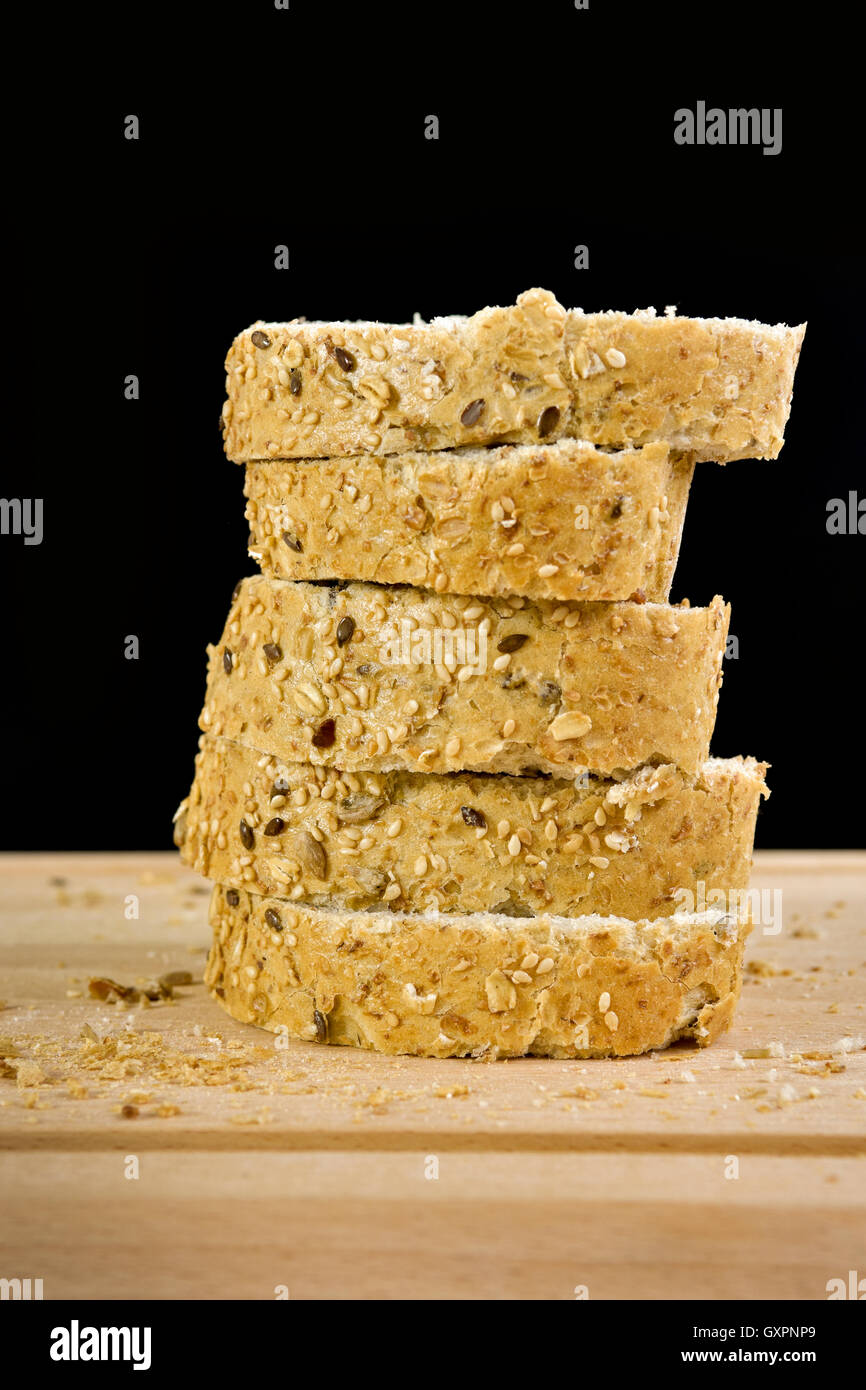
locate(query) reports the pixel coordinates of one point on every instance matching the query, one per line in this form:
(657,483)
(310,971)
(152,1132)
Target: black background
(306,127)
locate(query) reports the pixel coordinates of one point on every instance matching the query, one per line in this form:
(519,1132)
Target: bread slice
(322,674)
(716,388)
(468,842)
(562,521)
(480,986)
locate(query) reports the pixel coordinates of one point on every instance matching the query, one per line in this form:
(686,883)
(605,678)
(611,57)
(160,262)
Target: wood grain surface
(173,1153)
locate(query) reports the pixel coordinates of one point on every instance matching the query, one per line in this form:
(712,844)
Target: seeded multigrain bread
(373,677)
(481,986)
(716,388)
(562,521)
(468,842)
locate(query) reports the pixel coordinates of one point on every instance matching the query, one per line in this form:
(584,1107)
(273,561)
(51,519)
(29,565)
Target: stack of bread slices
(453,787)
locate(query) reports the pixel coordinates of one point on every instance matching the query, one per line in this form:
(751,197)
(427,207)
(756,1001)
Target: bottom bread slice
(480,985)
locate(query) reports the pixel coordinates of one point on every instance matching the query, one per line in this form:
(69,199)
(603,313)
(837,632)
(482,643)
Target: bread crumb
(764,968)
(30,1074)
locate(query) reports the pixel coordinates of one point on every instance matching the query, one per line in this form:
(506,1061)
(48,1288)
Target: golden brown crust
(719,389)
(320,675)
(561,521)
(468,842)
(485,986)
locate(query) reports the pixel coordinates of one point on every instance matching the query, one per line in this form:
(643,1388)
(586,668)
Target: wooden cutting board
(244,1170)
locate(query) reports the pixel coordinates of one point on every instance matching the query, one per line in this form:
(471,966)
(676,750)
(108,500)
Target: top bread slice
(713,388)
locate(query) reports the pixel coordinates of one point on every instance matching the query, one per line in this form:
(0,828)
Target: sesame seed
(508,728)
(515,844)
(502,662)
(547,571)
(545,966)
(603,1002)
(497,511)
(516,549)
(391,892)
(503,829)
(551,831)
(529,962)
(611,1021)
(452,747)
(598,861)
(570,724)
(520,977)
(615,358)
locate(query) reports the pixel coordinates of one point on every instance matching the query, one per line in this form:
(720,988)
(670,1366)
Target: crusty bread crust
(720,389)
(317,674)
(481,986)
(468,842)
(562,521)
